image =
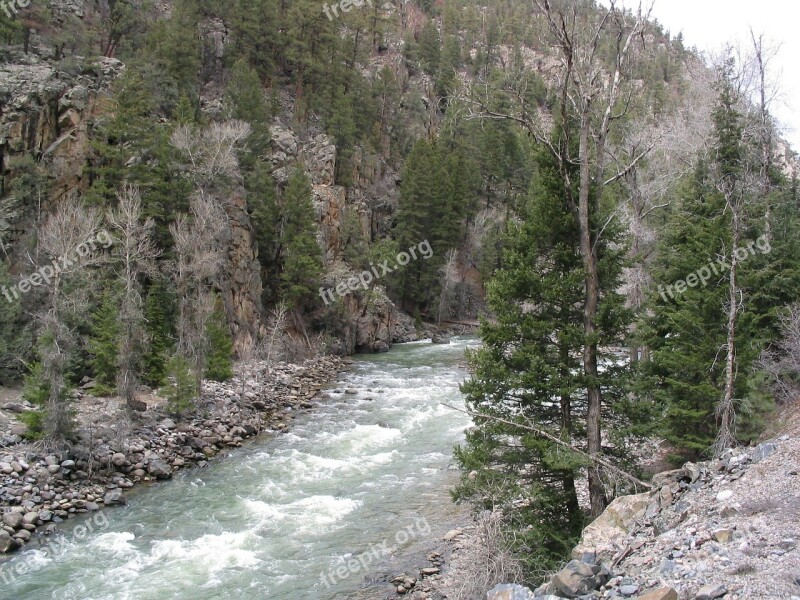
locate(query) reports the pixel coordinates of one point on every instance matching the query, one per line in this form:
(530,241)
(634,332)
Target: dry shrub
(485,560)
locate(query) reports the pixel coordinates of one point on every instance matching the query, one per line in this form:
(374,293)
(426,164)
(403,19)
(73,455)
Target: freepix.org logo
(375,553)
(45,275)
(12,7)
(363,280)
(716,268)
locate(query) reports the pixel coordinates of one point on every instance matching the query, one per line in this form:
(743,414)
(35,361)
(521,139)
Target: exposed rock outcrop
(47,114)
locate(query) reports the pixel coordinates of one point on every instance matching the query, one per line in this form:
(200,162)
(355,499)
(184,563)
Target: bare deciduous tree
(485,559)
(134,255)
(213,167)
(211,151)
(199,258)
(60,238)
(276,325)
(782,362)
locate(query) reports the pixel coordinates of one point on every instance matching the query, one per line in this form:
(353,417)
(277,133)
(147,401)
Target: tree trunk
(726,412)
(597,494)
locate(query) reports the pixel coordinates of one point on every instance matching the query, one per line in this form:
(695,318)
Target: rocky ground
(726,529)
(39,489)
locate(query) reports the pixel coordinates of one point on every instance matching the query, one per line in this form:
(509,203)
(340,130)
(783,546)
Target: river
(318,513)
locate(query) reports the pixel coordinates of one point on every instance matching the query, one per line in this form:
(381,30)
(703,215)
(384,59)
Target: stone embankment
(725,529)
(40,489)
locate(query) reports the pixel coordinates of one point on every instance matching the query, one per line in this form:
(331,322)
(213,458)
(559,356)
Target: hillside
(192,189)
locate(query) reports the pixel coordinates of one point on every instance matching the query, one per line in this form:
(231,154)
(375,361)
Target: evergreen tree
(173,50)
(11,351)
(265,217)
(104,345)
(528,369)
(132,147)
(158,311)
(219,361)
(341,125)
(246,101)
(686,330)
(36,390)
(429,48)
(255,30)
(181,387)
(302,263)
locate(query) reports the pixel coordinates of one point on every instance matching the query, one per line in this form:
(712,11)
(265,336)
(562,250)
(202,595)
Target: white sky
(709,24)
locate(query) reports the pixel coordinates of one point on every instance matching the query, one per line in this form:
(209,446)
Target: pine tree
(132,147)
(159,312)
(36,390)
(246,102)
(173,50)
(11,351)
(429,48)
(266,221)
(255,30)
(302,264)
(181,387)
(528,360)
(686,331)
(104,345)
(341,125)
(219,361)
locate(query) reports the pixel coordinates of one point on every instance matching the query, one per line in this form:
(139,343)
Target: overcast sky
(709,24)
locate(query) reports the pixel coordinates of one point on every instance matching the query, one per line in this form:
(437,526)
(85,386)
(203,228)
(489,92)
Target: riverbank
(39,490)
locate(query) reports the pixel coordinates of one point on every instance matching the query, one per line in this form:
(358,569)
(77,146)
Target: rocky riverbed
(40,489)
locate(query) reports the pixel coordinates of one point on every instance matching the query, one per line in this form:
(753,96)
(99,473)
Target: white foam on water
(213,552)
(314,515)
(363,437)
(117,543)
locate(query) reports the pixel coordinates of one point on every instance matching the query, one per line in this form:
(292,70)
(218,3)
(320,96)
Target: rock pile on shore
(39,490)
(725,529)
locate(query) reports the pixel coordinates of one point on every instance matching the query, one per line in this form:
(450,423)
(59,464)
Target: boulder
(605,535)
(13,519)
(7,543)
(763,451)
(440,339)
(509,591)
(723,536)
(577,579)
(159,468)
(137,405)
(663,593)
(113,498)
(711,592)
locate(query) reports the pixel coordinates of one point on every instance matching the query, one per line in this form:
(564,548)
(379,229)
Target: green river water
(356,487)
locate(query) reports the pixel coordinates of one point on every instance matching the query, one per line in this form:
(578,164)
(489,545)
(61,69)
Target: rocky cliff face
(46,113)
(366,320)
